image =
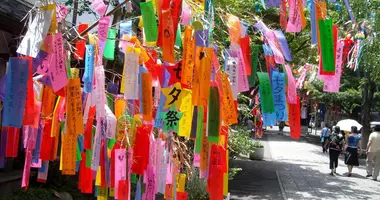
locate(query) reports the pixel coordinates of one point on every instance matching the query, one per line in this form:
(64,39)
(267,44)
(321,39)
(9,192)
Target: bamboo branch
(97,21)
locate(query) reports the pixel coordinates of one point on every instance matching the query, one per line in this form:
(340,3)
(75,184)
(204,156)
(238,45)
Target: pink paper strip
(292,92)
(100,7)
(243,84)
(149,181)
(36,165)
(278,57)
(103,26)
(294,23)
(197,160)
(120,168)
(186,14)
(332,83)
(57,69)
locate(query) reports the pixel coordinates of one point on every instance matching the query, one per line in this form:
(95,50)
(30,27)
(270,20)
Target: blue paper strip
(313,21)
(138,190)
(88,75)
(349,10)
(272,3)
(36,151)
(15,92)
(201,38)
(278,92)
(158,121)
(126,28)
(269,119)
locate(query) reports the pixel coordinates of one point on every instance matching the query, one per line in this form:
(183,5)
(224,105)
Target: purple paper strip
(45,79)
(283,44)
(3,146)
(349,10)
(193,133)
(2,87)
(112,88)
(38,60)
(313,21)
(262,27)
(272,3)
(36,152)
(201,38)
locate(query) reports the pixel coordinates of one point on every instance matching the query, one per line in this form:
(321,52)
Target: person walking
(373,152)
(352,146)
(335,144)
(324,137)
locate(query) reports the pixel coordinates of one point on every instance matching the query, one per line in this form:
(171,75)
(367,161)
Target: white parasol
(346,124)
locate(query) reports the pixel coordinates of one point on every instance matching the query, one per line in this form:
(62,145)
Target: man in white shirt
(373,151)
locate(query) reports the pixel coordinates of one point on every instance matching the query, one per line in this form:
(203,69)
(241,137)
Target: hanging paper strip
(234,27)
(37,30)
(15,92)
(109,51)
(254,61)
(279,98)
(108,124)
(185,123)
(229,112)
(243,84)
(283,15)
(272,3)
(292,92)
(57,70)
(120,171)
(30,113)
(176,12)
(213,115)
(69,141)
(188,57)
(313,23)
(231,68)
(216,170)
(47,142)
(13,138)
(129,82)
(294,23)
(48,102)
(301,12)
(141,149)
(150,24)
(74,114)
(266,97)
(283,44)
(278,57)
(204,150)
(88,75)
(295,119)
(147,96)
(80,44)
(168,37)
(103,26)
(186,14)
(349,10)
(246,50)
(321,13)
(202,75)
(199,137)
(327,45)
(332,83)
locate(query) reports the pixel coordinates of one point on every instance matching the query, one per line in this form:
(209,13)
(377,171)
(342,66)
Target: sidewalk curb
(281,187)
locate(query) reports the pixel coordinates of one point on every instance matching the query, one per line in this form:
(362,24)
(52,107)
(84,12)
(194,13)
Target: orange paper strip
(147,96)
(188,57)
(168,37)
(74,116)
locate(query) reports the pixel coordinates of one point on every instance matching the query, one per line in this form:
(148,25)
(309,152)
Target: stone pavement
(298,170)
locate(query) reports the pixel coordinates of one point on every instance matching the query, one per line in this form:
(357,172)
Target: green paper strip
(254,57)
(213,115)
(198,140)
(78,154)
(109,50)
(149,19)
(88,158)
(266,97)
(133,178)
(68,69)
(110,102)
(178,39)
(286,74)
(327,45)
(110,144)
(62,126)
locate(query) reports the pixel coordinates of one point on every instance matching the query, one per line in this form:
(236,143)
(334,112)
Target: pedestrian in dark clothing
(335,144)
(352,148)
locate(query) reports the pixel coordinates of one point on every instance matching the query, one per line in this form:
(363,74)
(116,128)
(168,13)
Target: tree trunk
(367,101)
(75,13)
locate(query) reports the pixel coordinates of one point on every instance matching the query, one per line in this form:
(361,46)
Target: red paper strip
(81,44)
(47,143)
(165,4)
(88,130)
(112,166)
(103,166)
(123,190)
(85,176)
(176,12)
(12,142)
(29,112)
(182,196)
(246,50)
(141,149)
(295,119)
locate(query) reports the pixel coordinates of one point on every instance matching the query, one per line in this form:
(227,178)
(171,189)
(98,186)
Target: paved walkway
(298,170)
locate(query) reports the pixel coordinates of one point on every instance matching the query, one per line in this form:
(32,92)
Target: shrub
(239,142)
